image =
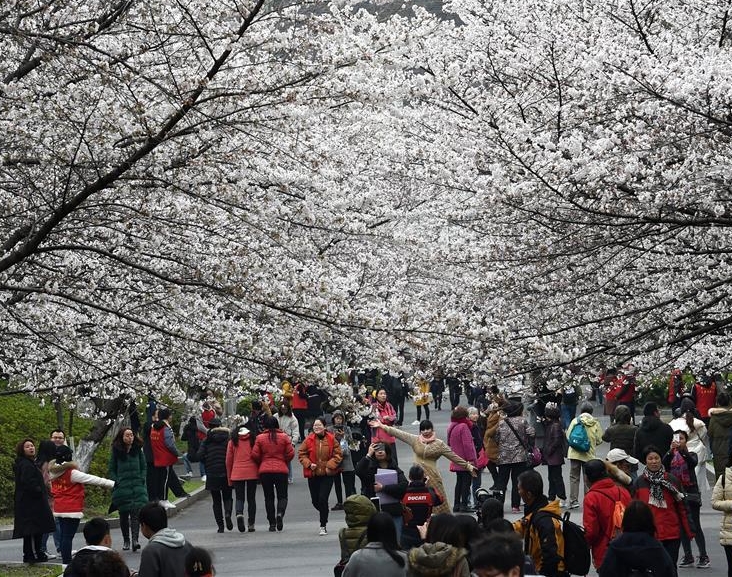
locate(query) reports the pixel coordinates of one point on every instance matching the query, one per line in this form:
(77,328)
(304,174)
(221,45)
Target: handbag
(482,461)
(533,455)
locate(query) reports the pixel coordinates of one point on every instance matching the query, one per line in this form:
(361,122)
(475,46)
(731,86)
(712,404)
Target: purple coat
(553,451)
(460,440)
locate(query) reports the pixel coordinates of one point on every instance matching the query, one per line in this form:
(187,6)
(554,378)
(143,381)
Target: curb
(6,532)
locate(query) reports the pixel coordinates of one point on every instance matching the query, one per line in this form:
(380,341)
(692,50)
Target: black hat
(63,454)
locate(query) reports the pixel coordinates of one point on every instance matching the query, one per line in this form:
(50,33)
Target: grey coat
(374,560)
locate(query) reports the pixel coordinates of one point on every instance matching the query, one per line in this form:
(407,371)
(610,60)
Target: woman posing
(427,449)
(384,413)
(381,555)
(128,469)
(212,453)
(662,491)
(33,517)
(273,452)
(67,486)
(320,456)
(460,440)
(243,473)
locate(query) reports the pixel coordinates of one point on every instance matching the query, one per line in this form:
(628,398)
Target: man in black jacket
(652,431)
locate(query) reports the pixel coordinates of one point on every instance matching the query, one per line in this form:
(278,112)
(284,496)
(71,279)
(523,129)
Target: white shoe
(51,555)
(203,479)
(323,531)
(167,504)
(415,422)
(562,504)
(573,505)
(186,475)
(290,481)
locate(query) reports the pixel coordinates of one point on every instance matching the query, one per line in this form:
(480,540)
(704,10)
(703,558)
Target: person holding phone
(680,462)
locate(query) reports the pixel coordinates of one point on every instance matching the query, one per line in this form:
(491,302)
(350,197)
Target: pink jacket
(240,466)
(461,442)
(273,457)
(386,415)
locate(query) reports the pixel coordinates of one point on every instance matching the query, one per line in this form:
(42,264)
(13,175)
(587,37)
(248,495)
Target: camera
(482,495)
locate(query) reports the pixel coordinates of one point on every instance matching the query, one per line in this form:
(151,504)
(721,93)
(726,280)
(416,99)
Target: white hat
(615,455)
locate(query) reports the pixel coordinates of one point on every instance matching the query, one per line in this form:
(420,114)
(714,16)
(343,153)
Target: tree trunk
(110,411)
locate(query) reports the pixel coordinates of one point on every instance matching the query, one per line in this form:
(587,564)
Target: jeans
(728,554)
(69,526)
(556,483)
(692,510)
(189,468)
(320,488)
(512,470)
(426,412)
(246,491)
(568,413)
(274,483)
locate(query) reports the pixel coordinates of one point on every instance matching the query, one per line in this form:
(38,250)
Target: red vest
(299,402)
(162,457)
(206,416)
(68,497)
(706,398)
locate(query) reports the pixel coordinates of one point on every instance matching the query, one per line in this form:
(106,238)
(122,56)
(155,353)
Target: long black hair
(272,424)
(381,529)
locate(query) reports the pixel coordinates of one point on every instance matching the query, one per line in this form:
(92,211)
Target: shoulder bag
(533,455)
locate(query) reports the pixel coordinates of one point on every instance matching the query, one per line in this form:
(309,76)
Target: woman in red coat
(243,473)
(273,451)
(384,412)
(662,491)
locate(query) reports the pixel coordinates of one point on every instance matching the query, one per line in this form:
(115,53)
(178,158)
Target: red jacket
(273,456)
(68,497)
(161,454)
(705,398)
(206,416)
(597,516)
(299,398)
(667,520)
(387,415)
(626,384)
(240,466)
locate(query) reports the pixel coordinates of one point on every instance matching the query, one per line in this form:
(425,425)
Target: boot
(240,523)
(220,526)
(228,505)
(135,526)
(126,545)
(250,524)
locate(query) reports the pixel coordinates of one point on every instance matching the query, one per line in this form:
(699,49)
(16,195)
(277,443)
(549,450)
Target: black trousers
(246,491)
(320,488)
(462,488)
(274,483)
(349,482)
(221,502)
(512,470)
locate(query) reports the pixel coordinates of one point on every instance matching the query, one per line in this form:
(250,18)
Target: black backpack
(577,559)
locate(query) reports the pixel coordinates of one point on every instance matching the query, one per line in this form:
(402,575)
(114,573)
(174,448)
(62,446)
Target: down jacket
(358,509)
(597,516)
(324,451)
(213,453)
(722,501)
(239,463)
(667,520)
(128,471)
(273,456)
(720,423)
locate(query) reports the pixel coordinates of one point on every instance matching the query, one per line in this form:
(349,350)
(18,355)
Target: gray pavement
(299,551)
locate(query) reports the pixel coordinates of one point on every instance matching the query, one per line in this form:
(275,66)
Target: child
(417,502)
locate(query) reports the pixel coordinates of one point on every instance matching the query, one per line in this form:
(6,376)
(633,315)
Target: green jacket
(128,471)
(358,509)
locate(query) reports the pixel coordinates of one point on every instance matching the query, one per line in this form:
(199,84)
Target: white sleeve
(87,479)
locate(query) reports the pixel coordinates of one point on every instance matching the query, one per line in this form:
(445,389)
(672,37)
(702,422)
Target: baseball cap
(615,455)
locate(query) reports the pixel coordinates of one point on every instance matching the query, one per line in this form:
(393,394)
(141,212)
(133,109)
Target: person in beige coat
(427,449)
(722,501)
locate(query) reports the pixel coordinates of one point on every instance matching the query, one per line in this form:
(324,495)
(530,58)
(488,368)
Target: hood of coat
(359,509)
(433,559)
(587,419)
(243,433)
(650,423)
(169,537)
(616,474)
(219,434)
(632,545)
(723,415)
(55,470)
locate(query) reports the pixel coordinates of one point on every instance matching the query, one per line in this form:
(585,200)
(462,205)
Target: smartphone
(677,438)
(375,501)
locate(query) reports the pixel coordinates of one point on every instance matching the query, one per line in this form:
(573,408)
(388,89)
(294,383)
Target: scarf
(658,482)
(427,440)
(464,420)
(680,469)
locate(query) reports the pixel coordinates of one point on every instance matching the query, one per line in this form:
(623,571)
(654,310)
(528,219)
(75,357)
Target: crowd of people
(634,519)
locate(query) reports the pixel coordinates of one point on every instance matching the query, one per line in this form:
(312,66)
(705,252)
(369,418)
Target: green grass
(44,570)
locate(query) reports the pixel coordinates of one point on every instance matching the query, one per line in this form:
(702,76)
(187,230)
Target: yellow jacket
(545,542)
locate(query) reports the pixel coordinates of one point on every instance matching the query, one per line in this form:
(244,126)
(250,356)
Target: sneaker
(415,422)
(188,475)
(337,507)
(573,505)
(323,531)
(562,504)
(290,481)
(51,555)
(687,561)
(703,562)
(203,479)
(515,510)
(165,504)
